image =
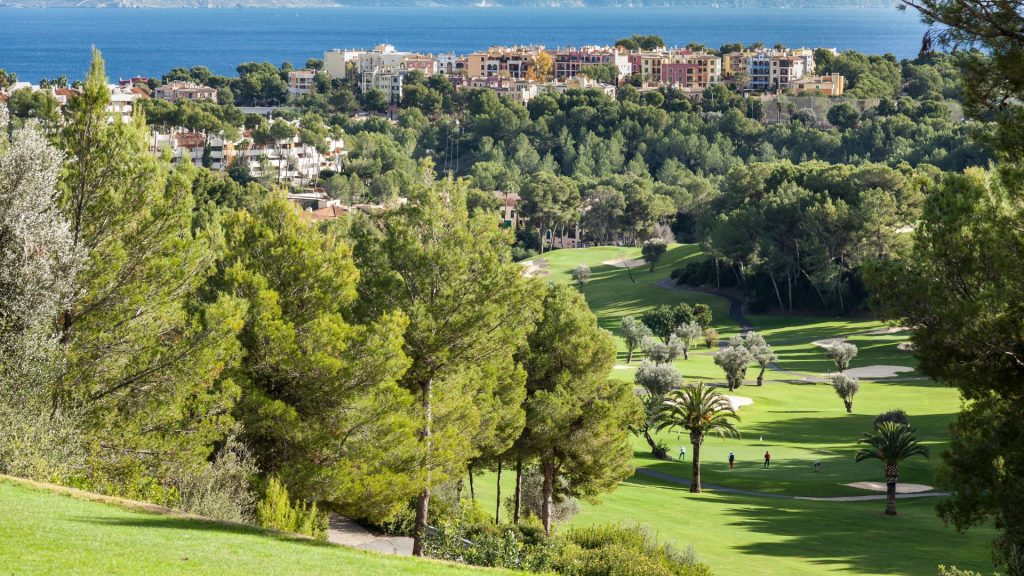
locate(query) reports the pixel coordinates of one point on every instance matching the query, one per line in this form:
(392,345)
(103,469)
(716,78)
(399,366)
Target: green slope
(43,533)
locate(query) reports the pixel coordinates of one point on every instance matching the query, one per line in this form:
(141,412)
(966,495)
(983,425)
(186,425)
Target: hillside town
(520,73)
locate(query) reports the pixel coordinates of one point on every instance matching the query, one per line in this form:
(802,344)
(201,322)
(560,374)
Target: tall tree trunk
(423,502)
(629,354)
(891,476)
(686,350)
(472,489)
(695,440)
(548,494)
(789,290)
(542,239)
(778,296)
(517,503)
(849,406)
(760,376)
(497,505)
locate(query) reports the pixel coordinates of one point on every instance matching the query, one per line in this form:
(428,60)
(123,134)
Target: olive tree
(688,333)
(633,332)
(733,360)
(841,353)
(846,388)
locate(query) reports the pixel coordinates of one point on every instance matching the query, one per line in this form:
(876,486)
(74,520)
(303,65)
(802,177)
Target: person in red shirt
(767,459)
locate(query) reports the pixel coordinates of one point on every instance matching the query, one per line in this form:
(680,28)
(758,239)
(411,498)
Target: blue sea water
(45,43)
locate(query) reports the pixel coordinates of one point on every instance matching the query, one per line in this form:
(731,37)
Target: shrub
(277,511)
(898,416)
(615,549)
(711,337)
(222,489)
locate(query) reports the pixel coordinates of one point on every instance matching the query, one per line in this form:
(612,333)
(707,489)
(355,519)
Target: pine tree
(142,354)
(468,307)
(577,420)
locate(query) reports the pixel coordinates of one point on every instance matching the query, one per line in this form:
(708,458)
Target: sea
(40,43)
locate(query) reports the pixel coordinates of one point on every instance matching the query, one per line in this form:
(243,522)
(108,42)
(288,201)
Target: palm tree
(891,443)
(700,410)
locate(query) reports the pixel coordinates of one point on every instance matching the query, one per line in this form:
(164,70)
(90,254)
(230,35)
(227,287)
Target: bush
(277,511)
(615,549)
(596,551)
(898,416)
(222,490)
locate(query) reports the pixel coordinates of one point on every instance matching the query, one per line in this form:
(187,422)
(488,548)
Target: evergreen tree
(142,354)
(320,401)
(577,419)
(468,309)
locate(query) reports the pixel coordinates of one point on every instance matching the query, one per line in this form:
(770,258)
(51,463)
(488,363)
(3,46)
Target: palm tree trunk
(695,440)
(891,476)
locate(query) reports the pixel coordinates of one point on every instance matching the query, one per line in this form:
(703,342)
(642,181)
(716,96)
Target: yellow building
(831,85)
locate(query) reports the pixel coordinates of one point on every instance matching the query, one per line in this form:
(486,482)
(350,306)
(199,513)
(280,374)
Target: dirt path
(672,479)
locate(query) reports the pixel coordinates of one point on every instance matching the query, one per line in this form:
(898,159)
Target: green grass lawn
(800,422)
(43,533)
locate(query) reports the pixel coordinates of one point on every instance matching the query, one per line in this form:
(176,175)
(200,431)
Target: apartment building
(647,64)
(301,82)
(519,89)
(198,148)
(568,61)
(772,70)
(338,62)
(679,74)
(830,85)
(179,90)
(510,62)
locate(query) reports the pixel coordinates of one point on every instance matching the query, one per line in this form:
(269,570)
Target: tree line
(171,335)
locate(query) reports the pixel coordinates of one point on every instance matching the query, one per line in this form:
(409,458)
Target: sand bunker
(623,367)
(886,331)
(739,401)
(901,487)
(877,371)
(905,346)
(535,268)
(829,342)
(625,262)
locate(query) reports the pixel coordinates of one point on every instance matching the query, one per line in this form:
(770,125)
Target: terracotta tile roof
(326,213)
(190,139)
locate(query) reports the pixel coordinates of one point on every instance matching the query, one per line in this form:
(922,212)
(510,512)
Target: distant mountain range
(442,3)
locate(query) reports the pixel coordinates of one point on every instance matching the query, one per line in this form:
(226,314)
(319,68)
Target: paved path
(672,479)
(735,304)
(343,531)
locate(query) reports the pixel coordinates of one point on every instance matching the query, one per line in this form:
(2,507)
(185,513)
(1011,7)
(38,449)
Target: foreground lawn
(43,533)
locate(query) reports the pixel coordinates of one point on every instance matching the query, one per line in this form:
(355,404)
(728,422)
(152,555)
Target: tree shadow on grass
(148,521)
(859,535)
(852,537)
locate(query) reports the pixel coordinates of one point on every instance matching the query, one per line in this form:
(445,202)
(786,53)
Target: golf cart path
(672,479)
(735,304)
